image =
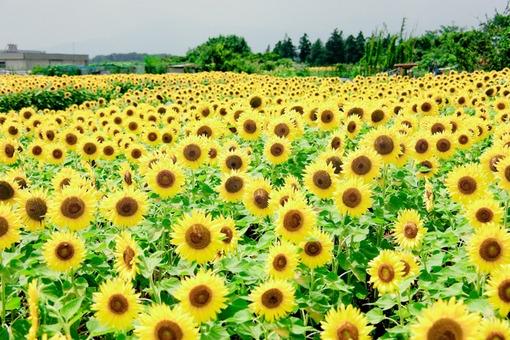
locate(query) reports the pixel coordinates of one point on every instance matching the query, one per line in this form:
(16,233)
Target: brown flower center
(37,150)
(167,138)
(234,162)
(386,273)
(280,262)
(484,215)
(437,128)
(410,230)
(490,250)
(351,127)
(272,298)
(467,185)
(495,336)
(327,116)
(72,207)
(168,330)
(277,149)
(445,329)
(293,220)
(22,183)
(351,197)
(6,191)
(118,304)
(426,107)
(57,154)
(250,126)
(463,139)
(255,102)
(321,179)
(192,152)
(204,131)
(313,248)
(384,145)
(71,139)
(136,153)
(407,268)
(281,130)
(227,235)
(4,226)
(336,142)
(128,255)
(200,296)
(89,148)
(9,150)
(165,178)
(421,146)
(493,162)
(347,331)
(108,150)
(126,206)
(443,145)
(336,162)
(64,251)
(504,290)
(234,184)
(361,165)
(198,237)
(261,198)
(36,208)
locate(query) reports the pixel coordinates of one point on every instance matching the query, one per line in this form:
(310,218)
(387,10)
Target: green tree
(317,53)
(285,48)
(335,48)
(305,47)
(221,53)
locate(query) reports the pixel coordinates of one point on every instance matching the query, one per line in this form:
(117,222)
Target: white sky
(167,26)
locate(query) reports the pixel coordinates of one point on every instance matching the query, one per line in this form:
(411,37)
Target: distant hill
(120,57)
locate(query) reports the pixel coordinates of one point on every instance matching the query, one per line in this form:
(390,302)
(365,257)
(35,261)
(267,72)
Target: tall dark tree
(351,49)
(317,53)
(335,48)
(285,48)
(305,47)
(360,44)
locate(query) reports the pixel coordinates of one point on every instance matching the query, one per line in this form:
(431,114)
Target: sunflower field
(232,206)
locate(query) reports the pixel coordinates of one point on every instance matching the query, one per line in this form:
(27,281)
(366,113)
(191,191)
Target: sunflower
(257,197)
(273,299)
(444,147)
(362,163)
(232,186)
(18,176)
(345,322)
(411,268)
(202,296)
(353,126)
(9,190)
(161,323)
(65,177)
(337,141)
(9,226)
(445,320)
(63,252)
(108,150)
(484,211)
(384,142)
(277,150)
(386,271)
(466,183)
(489,248)
(421,146)
(237,160)
(352,197)
(281,126)
(116,304)
(33,208)
(230,234)
(295,221)
(126,256)
(191,151)
(493,329)
(89,148)
(72,207)
(427,168)
(319,178)
(328,118)
(250,125)
(490,158)
(317,249)
(282,261)
(197,237)
(165,178)
(503,173)
(408,229)
(125,208)
(37,150)
(498,290)
(8,152)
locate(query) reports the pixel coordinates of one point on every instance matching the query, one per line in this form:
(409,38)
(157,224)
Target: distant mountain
(120,57)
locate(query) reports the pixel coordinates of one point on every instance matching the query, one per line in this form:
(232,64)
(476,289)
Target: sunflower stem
(2,291)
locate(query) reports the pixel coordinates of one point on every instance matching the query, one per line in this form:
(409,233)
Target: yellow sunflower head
(408,229)
(295,221)
(352,197)
(162,322)
(202,296)
(493,329)
(257,197)
(230,234)
(386,271)
(466,183)
(320,178)
(165,178)
(125,208)
(126,256)
(282,261)
(277,150)
(345,322)
(64,251)
(116,304)
(273,299)
(489,248)
(33,206)
(232,186)
(362,163)
(316,249)
(72,208)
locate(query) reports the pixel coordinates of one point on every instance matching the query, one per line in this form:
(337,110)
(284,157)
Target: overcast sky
(167,26)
